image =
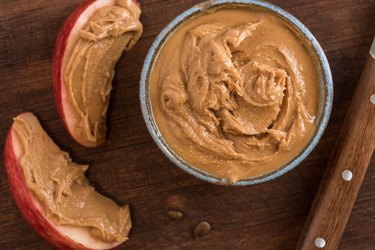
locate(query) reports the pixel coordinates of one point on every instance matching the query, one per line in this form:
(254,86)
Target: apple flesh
(60,236)
(68,35)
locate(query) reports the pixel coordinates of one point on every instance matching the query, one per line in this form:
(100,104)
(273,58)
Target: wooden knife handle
(346,169)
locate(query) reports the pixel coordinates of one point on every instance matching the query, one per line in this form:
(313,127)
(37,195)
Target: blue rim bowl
(326,90)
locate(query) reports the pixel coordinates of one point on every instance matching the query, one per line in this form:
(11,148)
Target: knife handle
(346,169)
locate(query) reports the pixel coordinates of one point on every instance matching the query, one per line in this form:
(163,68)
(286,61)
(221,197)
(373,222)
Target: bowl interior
(326,86)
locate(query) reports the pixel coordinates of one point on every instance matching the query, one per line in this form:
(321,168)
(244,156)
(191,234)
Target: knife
(346,168)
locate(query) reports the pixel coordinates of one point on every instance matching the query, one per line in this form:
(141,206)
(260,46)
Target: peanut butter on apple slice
(90,61)
(62,188)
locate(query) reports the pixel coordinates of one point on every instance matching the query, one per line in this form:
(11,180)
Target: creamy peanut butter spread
(235,92)
(90,68)
(62,188)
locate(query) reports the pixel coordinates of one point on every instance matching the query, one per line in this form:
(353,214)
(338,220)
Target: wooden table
(130,168)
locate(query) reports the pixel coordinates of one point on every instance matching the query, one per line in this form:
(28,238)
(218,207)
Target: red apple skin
(26,204)
(60,236)
(58,56)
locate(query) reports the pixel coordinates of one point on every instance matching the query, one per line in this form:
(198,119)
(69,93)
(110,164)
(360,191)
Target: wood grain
(336,195)
(130,168)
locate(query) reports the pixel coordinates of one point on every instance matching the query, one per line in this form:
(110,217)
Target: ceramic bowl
(326,88)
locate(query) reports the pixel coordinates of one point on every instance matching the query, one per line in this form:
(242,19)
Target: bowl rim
(145,101)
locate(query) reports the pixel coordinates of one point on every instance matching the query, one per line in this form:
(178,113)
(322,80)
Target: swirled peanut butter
(235,92)
(90,68)
(62,188)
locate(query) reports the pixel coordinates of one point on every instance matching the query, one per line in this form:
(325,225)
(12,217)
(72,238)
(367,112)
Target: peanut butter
(235,92)
(90,68)
(62,188)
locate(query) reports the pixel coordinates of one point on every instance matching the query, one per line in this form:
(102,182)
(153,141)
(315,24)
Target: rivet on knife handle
(346,169)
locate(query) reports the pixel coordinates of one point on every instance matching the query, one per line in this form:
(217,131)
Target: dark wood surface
(353,151)
(130,168)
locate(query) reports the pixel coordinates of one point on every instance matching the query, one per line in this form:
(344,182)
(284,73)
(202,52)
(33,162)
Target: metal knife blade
(372,49)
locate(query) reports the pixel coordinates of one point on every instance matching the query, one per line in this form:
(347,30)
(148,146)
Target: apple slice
(78,122)
(63,236)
